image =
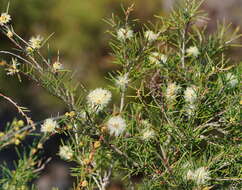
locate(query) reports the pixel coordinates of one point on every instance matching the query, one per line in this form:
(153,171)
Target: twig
(122,101)
(183,48)
(20,110)
(17,56)
(113,147)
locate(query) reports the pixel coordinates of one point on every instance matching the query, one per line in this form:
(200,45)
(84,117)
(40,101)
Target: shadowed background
(79,35)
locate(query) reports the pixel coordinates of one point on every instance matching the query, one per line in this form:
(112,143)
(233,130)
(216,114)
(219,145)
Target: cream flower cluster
(66,152)
(190,95)
(156,58)
(147,134)
(116,125)
(36,42)
(172,91)
(122,81)
(124,34)
(57,66)
(49,126)
(5,18)
(151,36)
(200,176)
(193,51)
(98,99)
(13,69)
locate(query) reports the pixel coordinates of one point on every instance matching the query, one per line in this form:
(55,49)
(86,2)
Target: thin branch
(20,110)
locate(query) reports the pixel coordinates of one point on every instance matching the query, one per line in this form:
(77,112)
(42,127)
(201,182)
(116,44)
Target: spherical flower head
(231,80)
(5,18)
(193,51)
(116,125)
(190,95)
(36,42)
(200,176)
(151,36)
(98,99)
(148,134)
(172,91)
(57,66)
(66,152)
(49,126)
(122,81)
(157,58)
(124,34)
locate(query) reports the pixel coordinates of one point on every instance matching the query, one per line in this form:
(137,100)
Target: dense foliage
(176,126)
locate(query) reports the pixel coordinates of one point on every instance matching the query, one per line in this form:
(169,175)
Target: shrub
(177,123)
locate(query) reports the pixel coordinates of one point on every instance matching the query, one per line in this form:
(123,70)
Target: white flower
(151,36)
(4,19)
(13,68)
(116,125)
(156,58)
(66,152)
(57,66)
(49,126)
(124,34)
(200,176)
(193,50)
(231,79)
(148,134)
(98,99)
(190,95)
(36,42)
(122,81)
(172,91)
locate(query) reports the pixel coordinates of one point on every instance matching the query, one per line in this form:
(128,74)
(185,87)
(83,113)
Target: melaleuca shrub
(176,124)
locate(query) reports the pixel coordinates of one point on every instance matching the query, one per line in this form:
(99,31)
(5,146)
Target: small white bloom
(172,91)
(122,81)
(200,176)
(4,19)
(13,68)
(157,58)
(49,126)
(151,36)
(36,42)
(231,79)
(124,34)
(98,99)
(190,95)
(193,51)
(116,125)
(148,134)
(57,66)
(66,152)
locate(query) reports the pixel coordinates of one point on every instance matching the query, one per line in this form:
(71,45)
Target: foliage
(177,124)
